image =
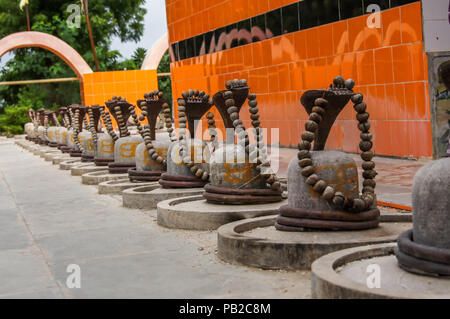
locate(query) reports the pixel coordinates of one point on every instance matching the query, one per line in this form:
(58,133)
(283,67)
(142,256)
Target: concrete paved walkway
(49,220)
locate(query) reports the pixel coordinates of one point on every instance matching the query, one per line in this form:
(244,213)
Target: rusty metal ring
(325,224)
(420,266)
(286,211)
(134,172)
(181,184)
(240,191)
(240,199)
(119,170)
(180,178)
(407,246)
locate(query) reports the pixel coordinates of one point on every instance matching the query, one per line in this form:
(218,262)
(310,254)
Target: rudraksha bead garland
(258,151)
(123,127)
(46,125)
(145,130)
(55,119)
(185,154)
(106,118)
(92,127)
(367,198)
(212,130)
(76,129)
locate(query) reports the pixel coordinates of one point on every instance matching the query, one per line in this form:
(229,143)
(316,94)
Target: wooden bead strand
(108,124)
(212,130)
(185,155)
(263,164)
(367,198)
(92,127)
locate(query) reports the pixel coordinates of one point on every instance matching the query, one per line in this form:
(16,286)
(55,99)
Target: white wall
(436,25)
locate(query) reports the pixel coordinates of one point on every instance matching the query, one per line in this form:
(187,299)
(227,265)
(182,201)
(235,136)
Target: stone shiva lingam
(325,211)
(76,136)
(418,266)
(124,147)
(90,144)
(151,155)
(187,159)
(241,183)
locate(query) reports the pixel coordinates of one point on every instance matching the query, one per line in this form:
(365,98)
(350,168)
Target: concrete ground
(49,220)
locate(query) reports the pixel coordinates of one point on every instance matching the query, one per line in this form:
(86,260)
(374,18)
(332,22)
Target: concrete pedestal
(85,168)
(345,274)
(67,165)
(255,242)
(195,213)
(116,187)
(58,159)
(147,197)
(95,178)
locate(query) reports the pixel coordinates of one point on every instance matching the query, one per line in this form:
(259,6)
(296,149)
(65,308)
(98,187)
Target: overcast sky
(155,28)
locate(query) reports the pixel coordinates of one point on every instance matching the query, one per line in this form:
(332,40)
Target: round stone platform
(195,213)
(255,242)
(147,197)
(58,159)
(345,275)
(51,155)
(67,165)
(85,168)
(116,187)
(51,151)
(95,178)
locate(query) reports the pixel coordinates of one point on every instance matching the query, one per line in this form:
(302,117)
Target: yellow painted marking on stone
(149,161)
(128,150)
(240,175)
(341,179)
(107,146)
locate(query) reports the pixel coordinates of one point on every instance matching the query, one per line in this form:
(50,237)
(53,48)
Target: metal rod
(163,74)
(39,81)
(28,17)
(91,38)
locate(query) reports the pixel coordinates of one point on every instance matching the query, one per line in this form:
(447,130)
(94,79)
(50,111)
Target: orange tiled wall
(102,86)
(388,64)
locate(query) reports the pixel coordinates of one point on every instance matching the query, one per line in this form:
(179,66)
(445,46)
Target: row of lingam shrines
(233,179)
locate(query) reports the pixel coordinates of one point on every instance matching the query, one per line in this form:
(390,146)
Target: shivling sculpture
(90,137)
(187,161)
(105,141)
(52,131)
(323,185)
(151,155)
(425,249)
(75,141)
(29,127)
(125,146)
(240,173)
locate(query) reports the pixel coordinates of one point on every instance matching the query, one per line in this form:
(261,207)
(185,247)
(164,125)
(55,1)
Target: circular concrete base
(60,158)
(255,242)
(195,213)
(147,197)
(40,150)
(118,186)
(51,155)
(345,274)
(96,178)
(67,165)
(85,168)
(52,151)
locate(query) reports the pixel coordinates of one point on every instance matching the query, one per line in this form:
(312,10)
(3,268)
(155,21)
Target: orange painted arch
(48,42)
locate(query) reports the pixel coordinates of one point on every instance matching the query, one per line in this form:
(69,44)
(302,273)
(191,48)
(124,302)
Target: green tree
(109,18)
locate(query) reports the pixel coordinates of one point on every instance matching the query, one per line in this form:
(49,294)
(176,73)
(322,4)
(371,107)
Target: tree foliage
(109,18)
